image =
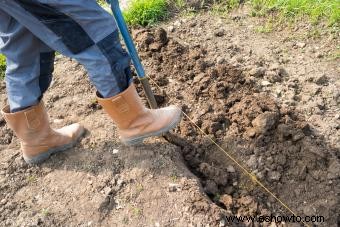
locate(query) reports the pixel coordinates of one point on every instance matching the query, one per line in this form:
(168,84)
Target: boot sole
(42,157)
(139,140)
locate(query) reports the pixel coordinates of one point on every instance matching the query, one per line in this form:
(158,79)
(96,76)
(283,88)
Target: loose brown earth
(271,101)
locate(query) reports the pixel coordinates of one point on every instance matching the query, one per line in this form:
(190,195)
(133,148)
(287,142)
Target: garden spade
(132,52)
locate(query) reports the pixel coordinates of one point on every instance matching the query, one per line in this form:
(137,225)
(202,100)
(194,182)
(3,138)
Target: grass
(45,212)
(266,28)
(316,10)
(146,12)
(222,8)
(2,66)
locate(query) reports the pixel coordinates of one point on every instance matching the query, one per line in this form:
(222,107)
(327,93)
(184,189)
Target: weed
(139,187)
(180,4)
(217,197)
(2,66)
(135,210)
(145,12)
(315,33)
(174,177)
(222,8)
(125,220)
(31,179)
(290,9)
(45,212)
(267,28)
(335,55)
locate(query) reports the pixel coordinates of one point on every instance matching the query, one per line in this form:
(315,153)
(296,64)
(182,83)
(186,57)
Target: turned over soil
(253,97)
(231,101)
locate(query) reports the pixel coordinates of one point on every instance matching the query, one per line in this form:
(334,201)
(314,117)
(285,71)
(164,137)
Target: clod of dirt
(265,122)
(211,187)
(6,135)
(218,175)
(231,89)
(219,33)
(322,80)
(227,201)
(247,206)
(257,72)
(274,175)
(151,41)
(334,170)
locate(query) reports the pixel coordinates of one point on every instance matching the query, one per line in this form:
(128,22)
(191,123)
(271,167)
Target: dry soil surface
(271,101)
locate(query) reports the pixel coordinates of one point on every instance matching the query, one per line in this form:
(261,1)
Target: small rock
(322,80)
(251,132)
(308,210)
(193,24)
(260,175)
(227,200)
(306,129)
(58,121)
(230,169)
(265,122)
(298,135)
(107,191)
(3,201)
(300,44)
(222,223)
(265,83)
(336,97)
(273,77)
(211,187)
(319,55)
(115,151)
(274,175)
(257,72)
(282,71)
(199,77)
(174,187)
(281,159)
(220,60)
(333,170)
(171,28)
(337,116)
(177,23)
(194,54)
(219,33)
(252,162)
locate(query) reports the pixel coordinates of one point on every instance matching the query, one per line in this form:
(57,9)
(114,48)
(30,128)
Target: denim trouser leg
(78,29)
(29,70)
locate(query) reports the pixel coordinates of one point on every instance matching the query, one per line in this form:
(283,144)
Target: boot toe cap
(74,130)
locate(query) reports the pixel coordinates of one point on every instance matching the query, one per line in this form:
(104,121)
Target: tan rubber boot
(134,121)
(38,140)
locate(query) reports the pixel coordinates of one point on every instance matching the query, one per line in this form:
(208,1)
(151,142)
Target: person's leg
(78,29)
(29,63)
(83,30)
(28,75)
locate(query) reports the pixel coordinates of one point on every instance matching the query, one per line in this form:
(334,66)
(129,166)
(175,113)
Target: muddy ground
(270,100)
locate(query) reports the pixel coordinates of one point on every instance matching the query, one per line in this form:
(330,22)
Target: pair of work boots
(135,123)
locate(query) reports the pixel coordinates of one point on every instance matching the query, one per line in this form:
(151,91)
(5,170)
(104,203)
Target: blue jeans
(30,32)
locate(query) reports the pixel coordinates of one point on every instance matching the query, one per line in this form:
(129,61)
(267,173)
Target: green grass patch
(145,12)
(222,8)
(267,28)
(2,66)
(316,10)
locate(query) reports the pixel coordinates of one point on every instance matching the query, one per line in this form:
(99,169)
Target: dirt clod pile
(271,140)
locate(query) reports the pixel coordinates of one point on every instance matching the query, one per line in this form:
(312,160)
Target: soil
(271,101)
